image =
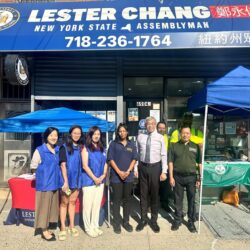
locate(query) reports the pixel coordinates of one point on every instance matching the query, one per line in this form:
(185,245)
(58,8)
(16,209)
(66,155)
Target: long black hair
(117,135)
(69,141)
(47,132)
(89,143)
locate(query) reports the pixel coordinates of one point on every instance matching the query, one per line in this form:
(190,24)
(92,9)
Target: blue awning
(124,24)
(228,95)
(61,118)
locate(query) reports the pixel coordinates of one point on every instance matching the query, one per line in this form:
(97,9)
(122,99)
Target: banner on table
(221,174)
(27,217)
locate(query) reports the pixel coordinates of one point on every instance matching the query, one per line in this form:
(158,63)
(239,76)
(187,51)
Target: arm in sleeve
(171,160)
(62,155)
(134,159)
(170,153)
(110,158)
(199,154)
(135,152)
(199,161)
(138,157)
(164,156)
(36,160)
(110,154)
(63,165)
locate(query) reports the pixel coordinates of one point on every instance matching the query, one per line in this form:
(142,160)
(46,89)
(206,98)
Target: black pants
(149,178)
(182,182)
(166,193)
(121,192)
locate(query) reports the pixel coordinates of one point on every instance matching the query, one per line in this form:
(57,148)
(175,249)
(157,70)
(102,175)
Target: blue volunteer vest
(74,167)
(48,171)
(96,163)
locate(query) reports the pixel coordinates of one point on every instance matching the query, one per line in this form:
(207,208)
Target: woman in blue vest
(95,170)
(71,168)
(46,162)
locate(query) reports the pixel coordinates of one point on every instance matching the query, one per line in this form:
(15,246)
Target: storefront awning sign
(122,25)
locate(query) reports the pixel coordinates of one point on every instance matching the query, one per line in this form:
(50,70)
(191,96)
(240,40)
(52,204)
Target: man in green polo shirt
(183,158)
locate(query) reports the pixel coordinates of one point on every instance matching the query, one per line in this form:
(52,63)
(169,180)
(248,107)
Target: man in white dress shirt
(152,168)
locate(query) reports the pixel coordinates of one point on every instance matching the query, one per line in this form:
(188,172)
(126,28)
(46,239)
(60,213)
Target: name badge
(129,149)
(193,150)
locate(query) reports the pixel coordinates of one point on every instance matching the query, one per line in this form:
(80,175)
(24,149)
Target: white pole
(32,103)
(108,205)
(108,181)
(202,164)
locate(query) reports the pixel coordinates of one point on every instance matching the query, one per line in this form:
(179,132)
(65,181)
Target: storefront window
(178,92)
(227,139)
(142,87)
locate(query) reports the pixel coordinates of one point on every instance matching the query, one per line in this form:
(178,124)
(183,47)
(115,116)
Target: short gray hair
(150,118)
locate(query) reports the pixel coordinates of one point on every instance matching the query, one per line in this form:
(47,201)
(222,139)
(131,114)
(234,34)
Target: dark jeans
(149,178)
(121,192)
(182,182)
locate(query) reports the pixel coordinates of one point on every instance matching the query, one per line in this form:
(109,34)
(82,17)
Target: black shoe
(53,238)
(127,227)
(155,227)
(175,226)
(117,229)
(197,217)
(167,209)
(141,225)
(191,227)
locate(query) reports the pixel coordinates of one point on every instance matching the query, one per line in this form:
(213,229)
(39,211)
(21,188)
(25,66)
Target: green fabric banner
(221,174)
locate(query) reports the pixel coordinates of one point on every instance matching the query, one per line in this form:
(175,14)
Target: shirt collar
(45,148)
(153,133)
(181,142)
(128,142)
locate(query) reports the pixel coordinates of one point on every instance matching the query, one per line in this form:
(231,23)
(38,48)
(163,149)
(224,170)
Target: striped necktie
(148,145)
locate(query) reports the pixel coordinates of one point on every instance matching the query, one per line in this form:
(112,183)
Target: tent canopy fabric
(61,118)
(228,95)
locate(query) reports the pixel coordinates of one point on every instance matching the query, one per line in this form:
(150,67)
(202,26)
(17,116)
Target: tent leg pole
(108,181)
(108,205)
(107,140)
(202,163)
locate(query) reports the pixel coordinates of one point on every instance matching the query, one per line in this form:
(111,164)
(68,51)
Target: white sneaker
(92,233)
(98,231)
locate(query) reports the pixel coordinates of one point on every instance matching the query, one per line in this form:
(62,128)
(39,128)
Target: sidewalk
(21,237)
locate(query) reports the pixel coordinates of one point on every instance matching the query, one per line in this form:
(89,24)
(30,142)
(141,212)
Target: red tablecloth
(23,194)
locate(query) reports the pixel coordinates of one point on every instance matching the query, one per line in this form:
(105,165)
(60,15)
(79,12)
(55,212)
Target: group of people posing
(64,171)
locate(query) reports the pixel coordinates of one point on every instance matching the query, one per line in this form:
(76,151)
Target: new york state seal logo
(8,17)
(220,169)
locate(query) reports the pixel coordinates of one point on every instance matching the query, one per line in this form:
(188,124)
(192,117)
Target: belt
(184,174)
(150,164)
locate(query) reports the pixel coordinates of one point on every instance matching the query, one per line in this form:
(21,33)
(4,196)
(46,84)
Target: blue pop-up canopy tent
(61,118)
(229,95)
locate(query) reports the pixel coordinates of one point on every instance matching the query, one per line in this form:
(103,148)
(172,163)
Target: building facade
(88,58)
